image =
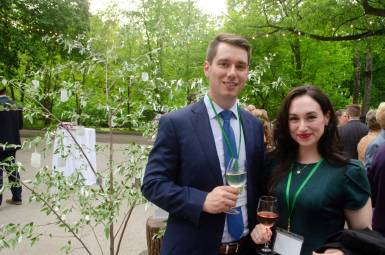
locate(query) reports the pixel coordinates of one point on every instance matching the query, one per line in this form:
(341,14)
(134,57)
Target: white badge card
(287,243)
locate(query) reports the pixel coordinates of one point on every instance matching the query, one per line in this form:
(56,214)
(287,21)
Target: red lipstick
(304,136)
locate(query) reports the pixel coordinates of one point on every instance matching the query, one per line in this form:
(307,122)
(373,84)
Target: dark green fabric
(319,210)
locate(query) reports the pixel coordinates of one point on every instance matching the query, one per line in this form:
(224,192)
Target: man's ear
(206,67)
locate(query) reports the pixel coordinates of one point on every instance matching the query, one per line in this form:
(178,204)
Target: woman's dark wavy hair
(286,149)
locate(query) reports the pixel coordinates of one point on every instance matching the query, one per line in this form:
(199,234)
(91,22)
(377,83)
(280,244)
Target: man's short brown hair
(340,112)
(353,110)
(233,40)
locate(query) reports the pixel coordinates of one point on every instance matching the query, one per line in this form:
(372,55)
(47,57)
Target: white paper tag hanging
(61,161)
(35,159)
(35,84)
(63,95)
(144,76)
(113,121)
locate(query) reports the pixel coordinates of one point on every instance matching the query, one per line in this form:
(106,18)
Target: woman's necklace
(300,169)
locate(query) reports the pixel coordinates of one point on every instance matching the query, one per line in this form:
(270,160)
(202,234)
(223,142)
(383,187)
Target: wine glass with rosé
(267,215)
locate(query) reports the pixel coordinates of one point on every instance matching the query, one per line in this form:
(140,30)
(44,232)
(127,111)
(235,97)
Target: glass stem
(267,243)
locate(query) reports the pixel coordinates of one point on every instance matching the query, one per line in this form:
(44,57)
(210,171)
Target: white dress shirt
(218,138)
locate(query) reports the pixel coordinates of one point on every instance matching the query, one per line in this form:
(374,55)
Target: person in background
(342,117)
(11,122)
(374,131)
(372,148)
(317,187)
(194,145)
(376,175)
(263,116)
(352,132)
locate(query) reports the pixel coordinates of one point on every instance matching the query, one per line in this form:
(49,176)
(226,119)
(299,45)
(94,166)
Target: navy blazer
(183,167)
(11,119)
(376,176)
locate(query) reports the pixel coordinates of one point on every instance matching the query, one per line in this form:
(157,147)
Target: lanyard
(299,190)
(224,133)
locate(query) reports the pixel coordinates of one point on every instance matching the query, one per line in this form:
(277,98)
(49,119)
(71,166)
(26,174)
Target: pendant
(288,225)
(298,171)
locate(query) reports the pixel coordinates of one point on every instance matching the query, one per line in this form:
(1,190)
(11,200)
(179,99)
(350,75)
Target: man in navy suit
(352,132)
(11,121)
(185,169)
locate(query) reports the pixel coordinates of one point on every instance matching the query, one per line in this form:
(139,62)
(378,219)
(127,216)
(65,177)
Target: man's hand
(220,199)
(330,252)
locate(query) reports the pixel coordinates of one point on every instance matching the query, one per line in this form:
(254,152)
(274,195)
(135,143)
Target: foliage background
(121,69)
(59,43)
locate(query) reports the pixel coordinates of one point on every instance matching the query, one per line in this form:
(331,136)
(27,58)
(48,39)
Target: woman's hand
(331,252)
(261,234)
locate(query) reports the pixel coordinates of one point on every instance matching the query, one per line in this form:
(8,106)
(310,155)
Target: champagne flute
(235,177)
(267,215)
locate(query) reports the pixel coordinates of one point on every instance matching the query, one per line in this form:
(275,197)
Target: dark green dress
(319,210)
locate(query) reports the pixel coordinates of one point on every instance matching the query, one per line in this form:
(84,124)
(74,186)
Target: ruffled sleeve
(356,186)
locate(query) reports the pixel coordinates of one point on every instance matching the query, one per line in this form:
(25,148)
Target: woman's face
(306,121)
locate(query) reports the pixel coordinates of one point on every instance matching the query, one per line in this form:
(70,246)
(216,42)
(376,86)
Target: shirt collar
(219,109)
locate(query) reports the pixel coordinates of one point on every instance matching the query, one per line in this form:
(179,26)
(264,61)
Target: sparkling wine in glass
(235,177)
(267,215)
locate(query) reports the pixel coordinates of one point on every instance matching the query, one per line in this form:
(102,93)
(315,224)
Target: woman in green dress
(318,188)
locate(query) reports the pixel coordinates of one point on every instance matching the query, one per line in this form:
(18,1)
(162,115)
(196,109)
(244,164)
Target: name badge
(287,243)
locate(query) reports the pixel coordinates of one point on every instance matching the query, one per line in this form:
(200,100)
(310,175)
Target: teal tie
(234,221)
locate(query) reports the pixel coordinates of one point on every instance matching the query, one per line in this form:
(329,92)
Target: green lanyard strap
(227,141)
(296,195)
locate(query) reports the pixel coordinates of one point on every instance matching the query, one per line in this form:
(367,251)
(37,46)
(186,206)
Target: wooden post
(152,228)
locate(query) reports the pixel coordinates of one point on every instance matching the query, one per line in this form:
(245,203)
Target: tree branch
(125,226)
(351,37)
(97,239)
(58,216)
(346,22)
(370,10)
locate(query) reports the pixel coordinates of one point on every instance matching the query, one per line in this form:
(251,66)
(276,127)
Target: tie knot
(226,114)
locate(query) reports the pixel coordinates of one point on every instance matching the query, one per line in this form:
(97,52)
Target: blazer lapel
(248,138)
(205,136)
(250,157)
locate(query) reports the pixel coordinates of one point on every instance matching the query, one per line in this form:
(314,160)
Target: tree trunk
(297,61)
(146,30)
(12,93)
(190,96)
(129,124)
(22,91)
(368,82)
(357,76)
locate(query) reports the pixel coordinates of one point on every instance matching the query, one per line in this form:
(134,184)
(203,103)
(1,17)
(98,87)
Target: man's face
(343,119)
(227,74)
